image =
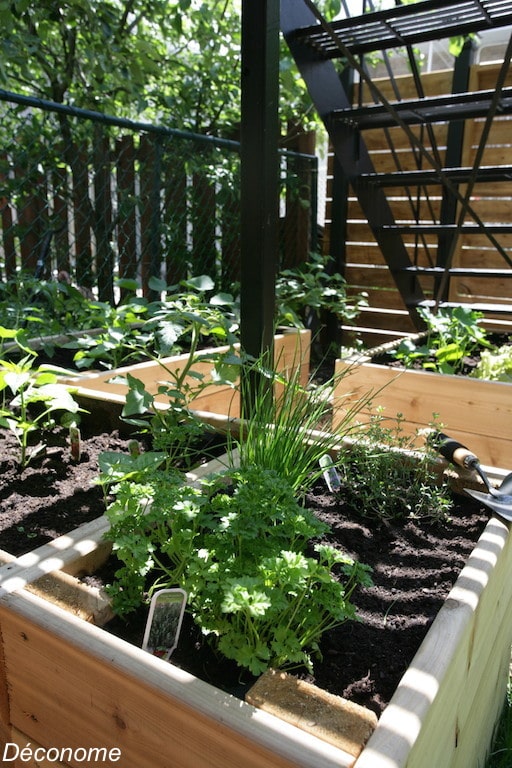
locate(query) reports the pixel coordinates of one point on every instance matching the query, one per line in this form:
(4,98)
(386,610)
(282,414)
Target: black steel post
(453,159)
(259,173)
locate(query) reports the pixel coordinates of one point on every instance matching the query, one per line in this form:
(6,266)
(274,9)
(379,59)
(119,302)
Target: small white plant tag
(164,622)
(330,473)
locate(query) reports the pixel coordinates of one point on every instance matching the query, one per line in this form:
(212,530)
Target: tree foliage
(131,57)
(177,60)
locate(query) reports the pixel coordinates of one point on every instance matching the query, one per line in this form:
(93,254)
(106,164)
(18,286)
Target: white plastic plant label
(164,622)
(330,473)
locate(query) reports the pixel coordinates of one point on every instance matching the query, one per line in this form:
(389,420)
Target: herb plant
(241,545)
(378,479)
(240,553)
(30,397)
(285,425)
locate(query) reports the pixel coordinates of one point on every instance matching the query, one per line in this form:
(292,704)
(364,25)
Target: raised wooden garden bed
(478,413)
(67,684)
(105,392)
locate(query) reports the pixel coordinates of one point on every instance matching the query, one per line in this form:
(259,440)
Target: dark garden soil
(54,493)
(414,566)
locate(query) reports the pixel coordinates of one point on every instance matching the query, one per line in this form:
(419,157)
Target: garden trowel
(499,499)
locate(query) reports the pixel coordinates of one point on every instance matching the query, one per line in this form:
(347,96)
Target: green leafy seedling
(30,396)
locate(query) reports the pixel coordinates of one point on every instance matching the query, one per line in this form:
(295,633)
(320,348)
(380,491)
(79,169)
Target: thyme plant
(380,480)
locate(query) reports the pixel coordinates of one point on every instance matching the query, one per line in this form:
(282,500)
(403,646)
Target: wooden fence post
(102,216)
(175,214)
(127,220)
(299,218)
(7,222)
(82,219)
(150,209)
(203,223)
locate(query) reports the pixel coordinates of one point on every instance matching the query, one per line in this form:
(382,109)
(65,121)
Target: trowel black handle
(453,451)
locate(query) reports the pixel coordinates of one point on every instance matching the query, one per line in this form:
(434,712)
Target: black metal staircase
(321,48)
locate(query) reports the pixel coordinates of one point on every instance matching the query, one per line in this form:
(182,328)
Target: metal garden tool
(499,499)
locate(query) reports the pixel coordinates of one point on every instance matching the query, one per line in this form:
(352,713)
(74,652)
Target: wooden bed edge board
(302,342)
(254,724)
(53,556)
(408,709)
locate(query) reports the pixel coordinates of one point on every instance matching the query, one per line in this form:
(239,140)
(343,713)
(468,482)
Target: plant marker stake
(164,622)
(330,473)
(134,448)
(75,441)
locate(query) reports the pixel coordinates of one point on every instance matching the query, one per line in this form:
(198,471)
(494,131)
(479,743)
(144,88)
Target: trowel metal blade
(502,507)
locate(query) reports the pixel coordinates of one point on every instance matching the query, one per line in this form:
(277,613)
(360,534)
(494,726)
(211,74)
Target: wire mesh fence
(102,201)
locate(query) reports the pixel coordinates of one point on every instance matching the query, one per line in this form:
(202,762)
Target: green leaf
(201,283)
(157,284)
(138,399)
(169,332)
(55,396)
(122,466)
(17,381)
(221,299)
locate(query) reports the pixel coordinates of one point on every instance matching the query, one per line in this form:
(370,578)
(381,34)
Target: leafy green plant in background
(192,315)
(452,335)
(120,341)
(46,307)
(240,555)
(495,364)
(304,292)
(189,315)
(30,398)
(137,328)
(174,429)
(378,479)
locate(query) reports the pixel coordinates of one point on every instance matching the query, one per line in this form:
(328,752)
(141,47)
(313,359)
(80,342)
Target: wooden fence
(100,198)
(365,268)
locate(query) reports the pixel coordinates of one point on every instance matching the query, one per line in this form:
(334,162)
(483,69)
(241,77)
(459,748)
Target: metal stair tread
(461,272)
(407,25)
(432,176)
(428,110)
(434,228)
(484,307)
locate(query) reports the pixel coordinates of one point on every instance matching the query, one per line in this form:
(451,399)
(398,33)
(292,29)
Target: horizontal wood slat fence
(363,263)
(100,197)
